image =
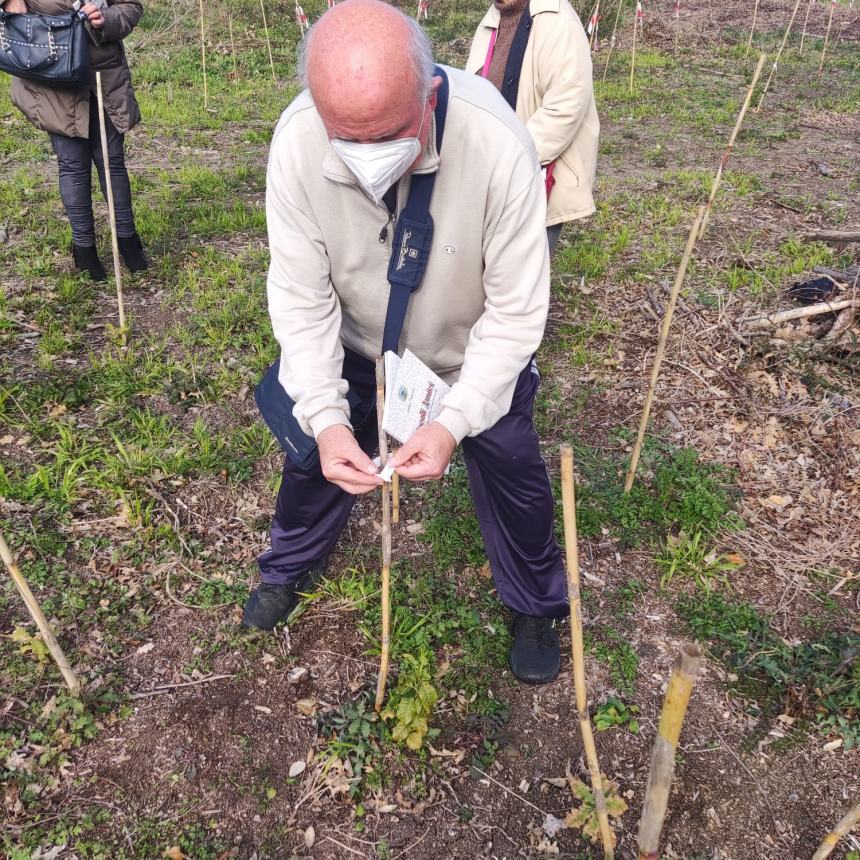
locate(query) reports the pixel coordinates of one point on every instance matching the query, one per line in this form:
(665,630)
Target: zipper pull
(383,233)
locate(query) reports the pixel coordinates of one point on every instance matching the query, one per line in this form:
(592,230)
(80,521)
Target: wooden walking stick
(827,35)
(661,346)
(268,40)
(203,58)
(778,55)
(568,501)
(805,22)
(846,824)
(612,39)
(39,617)
(681,684)
(730,146)
(752,29)
(117,271)
(386,541)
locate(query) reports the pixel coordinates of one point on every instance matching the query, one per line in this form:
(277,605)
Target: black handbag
(51,49)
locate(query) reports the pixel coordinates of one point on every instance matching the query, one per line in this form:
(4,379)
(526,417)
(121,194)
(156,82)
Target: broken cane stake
(752,29)
(117,271)
(846,824)
(268,40)
(663,756)
(805,23)
(661,346)
(39,617)
(386,540)
(718,178)
(568,501)
(827,35)
(778,55)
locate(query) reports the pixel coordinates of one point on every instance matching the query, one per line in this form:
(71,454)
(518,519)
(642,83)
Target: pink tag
(486,70)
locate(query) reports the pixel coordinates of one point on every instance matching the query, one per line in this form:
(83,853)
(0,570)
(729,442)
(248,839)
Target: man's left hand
(94,15)
(426,454)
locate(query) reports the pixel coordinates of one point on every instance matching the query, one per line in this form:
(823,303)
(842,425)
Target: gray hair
(420,53)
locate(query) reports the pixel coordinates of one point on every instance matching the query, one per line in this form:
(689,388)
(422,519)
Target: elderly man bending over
(340,168)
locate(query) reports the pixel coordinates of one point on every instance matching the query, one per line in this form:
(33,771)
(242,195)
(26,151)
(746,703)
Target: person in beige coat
(537,54)
(71,118)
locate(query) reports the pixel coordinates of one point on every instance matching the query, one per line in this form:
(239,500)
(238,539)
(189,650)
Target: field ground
(136,487)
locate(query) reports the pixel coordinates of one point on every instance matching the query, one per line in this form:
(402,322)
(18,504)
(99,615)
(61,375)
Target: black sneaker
(535,655)
(270,604)
(131,250)
(87,260)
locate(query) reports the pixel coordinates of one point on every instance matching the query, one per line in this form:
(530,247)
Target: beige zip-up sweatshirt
(480,312)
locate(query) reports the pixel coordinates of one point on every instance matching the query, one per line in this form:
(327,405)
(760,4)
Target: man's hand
(94,15)
(344,463)
(426,454)
(15,7)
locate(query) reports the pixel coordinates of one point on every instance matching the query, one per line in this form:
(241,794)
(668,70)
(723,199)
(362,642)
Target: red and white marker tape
(640,16)
(302,19)
(423,6)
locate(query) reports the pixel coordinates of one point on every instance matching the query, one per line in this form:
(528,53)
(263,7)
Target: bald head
(365,63)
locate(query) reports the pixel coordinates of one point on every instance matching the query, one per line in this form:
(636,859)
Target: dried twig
(167,688)
(802,313)
(833,235)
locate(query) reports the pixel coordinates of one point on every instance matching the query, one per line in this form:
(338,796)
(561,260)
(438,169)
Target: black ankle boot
(535,655)
(87,260)
(270,604)
(131,249)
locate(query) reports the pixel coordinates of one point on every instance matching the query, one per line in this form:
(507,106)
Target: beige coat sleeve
(564,74)
(516,283)
(303,305)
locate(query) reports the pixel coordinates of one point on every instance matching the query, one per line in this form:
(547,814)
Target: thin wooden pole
(778,55)
(752,29)
(268,40)
(633,50)
(612,39)
(203,58)
(395,498)
(805,23)
(39,617)
(846,824)
(827,36)
(730,146)
(232,43)
(568,501)
(386,541)
(681,685)
(117,270)
(594,21)
(661,346)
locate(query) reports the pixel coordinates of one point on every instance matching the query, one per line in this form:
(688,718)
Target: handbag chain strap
(4,42)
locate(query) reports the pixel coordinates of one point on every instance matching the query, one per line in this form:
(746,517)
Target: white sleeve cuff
(327,418)
(455,423)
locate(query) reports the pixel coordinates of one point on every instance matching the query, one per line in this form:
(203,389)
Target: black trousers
(75,159)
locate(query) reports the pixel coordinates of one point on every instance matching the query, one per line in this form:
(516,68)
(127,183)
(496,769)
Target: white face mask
(377,166)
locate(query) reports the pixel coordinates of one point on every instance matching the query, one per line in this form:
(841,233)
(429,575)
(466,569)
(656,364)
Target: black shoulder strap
(514,65)
(413,236)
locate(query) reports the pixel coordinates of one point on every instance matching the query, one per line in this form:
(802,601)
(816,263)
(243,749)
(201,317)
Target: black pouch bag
(50,49)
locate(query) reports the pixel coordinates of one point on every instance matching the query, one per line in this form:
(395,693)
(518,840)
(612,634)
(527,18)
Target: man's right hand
(15,7)
(344,463)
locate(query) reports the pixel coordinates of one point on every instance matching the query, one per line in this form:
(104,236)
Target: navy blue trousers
(510,488)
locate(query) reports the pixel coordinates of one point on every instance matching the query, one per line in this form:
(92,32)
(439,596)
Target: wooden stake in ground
(395,498)
(612,39)
(663,757)
(268,40)
(661,346)
(846,824)
(778,55)
(232,43)
(752,29)
(203,58)
(39,617)
(637,19)
(718,178)
(568,501)
(117,271)
(386,540)
(805,23)
(827,35)
(593,24)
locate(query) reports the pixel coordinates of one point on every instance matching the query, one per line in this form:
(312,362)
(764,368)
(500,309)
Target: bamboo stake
(268,40)
(232,43)
(719,176)
(612,39)
(39,617)
(846,824)
(568,501)
(661,346)
(805,23)
(752,29)
(633,50)
(203,57)
(395,498)
(778,55)
(117,271)
(827,36)
(386,540)
(595,18)
(681,684)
